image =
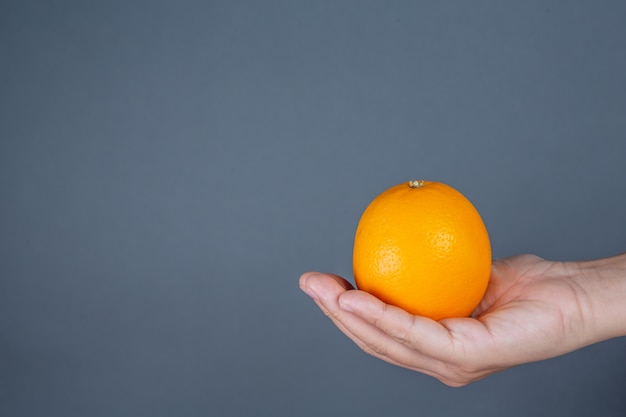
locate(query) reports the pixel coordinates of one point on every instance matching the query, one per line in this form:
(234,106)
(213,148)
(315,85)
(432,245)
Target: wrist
(604,286)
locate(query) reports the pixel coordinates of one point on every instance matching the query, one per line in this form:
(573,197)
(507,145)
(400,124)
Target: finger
(427,336)
(453,350)
(378,344)
(308,277)
(320,286)
(326,289)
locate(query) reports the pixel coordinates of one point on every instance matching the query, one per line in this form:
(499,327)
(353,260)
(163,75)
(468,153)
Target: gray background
(169,169)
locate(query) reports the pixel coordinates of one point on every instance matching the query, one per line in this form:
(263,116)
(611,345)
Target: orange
(422,246)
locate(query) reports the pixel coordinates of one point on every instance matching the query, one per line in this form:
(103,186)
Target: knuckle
(376,348)
(406,335)
(378,319)
(455,383)
(458,375)
(402,333)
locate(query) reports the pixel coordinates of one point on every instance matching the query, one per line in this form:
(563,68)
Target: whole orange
(422,246)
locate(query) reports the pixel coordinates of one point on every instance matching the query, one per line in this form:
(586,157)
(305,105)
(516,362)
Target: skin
(533,309)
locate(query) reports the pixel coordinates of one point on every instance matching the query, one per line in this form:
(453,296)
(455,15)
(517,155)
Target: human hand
(533,309)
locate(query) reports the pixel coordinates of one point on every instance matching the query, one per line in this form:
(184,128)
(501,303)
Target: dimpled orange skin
(422,246)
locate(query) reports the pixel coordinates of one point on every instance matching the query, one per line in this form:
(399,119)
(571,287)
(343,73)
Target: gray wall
(169,169)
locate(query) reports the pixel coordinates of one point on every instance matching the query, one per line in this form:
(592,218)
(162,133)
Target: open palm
(533,309)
